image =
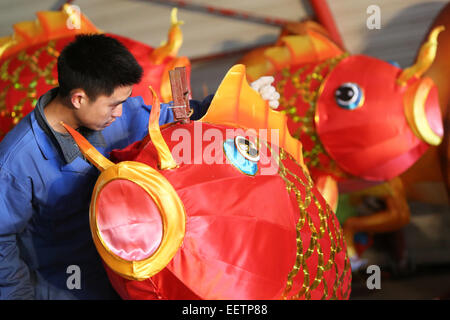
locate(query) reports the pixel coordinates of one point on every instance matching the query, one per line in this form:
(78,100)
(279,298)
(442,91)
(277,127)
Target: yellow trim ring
(414,103)
(172,212)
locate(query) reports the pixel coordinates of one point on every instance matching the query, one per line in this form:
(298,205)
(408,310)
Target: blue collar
(52,143)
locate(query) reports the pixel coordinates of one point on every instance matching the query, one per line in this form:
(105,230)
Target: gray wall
(403,26)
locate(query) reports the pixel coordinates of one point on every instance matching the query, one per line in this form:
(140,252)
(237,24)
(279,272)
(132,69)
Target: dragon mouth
(422,111)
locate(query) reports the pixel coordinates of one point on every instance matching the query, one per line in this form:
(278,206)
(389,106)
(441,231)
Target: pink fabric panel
(128,220)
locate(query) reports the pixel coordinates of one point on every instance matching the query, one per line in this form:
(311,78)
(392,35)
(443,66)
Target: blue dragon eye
(349,96)
(243,154)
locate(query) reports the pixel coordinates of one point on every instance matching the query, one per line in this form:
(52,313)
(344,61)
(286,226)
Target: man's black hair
(98,64)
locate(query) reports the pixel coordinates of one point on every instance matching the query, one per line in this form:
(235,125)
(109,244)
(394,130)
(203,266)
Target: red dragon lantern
(169,223)
(362,121)
(28,61)
(429,179)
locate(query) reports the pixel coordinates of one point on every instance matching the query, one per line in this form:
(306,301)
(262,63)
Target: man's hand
(268,92)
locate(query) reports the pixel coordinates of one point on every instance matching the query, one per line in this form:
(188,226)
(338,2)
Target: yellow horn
(426,56)
(4,45)
(172,45)
(165,159)
(88,150)
(174,19)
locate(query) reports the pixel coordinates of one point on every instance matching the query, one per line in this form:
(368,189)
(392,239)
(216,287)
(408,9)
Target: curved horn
(426,56)
(165,159)
(88,150)
(8,43)
(172,45)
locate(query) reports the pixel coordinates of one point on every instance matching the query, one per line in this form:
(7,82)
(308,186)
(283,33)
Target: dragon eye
(349,96)
(243,154)
(247,148)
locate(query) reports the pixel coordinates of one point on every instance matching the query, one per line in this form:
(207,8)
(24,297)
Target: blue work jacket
(46,248)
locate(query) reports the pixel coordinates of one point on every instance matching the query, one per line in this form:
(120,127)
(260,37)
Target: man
(46,249)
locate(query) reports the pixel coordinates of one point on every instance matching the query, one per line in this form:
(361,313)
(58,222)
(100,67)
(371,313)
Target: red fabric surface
(240,240)
(373,141)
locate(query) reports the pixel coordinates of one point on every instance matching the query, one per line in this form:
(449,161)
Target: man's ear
(78,97)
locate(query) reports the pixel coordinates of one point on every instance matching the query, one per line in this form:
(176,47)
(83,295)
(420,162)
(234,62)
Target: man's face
(99,114)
